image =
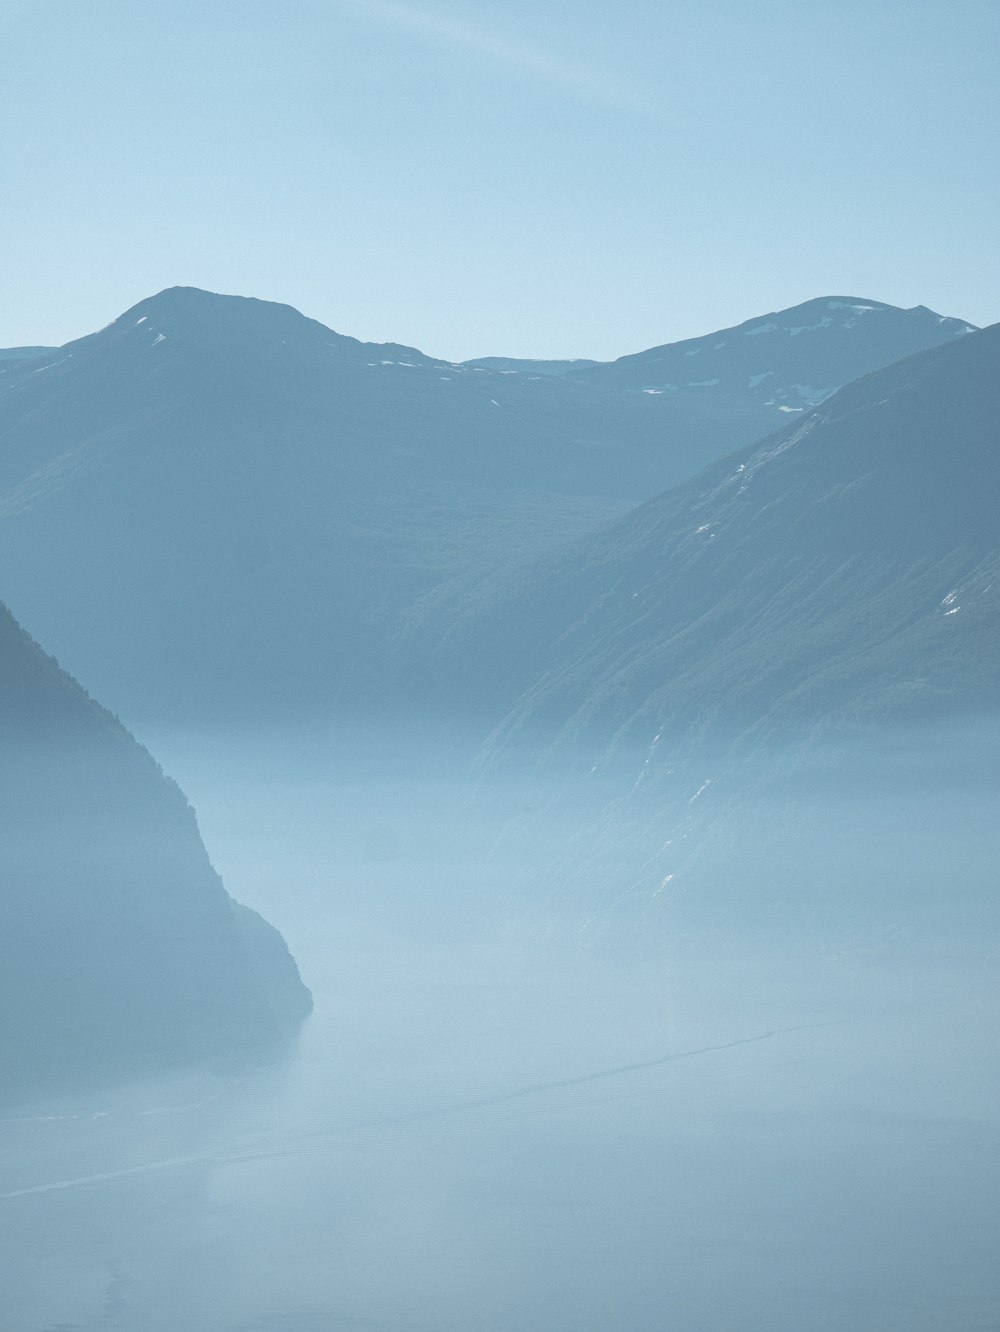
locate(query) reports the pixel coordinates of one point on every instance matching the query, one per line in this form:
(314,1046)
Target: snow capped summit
(791,359)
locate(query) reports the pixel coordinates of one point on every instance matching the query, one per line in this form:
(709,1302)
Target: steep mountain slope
(120,951)
(215,506)
(209,506)
(845,570)
(788,360)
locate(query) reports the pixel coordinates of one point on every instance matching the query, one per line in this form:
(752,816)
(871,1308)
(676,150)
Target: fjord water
(509,1113)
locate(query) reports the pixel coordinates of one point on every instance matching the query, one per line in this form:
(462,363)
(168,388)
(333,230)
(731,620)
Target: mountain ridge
(769,357)
(820,575)
(216,505)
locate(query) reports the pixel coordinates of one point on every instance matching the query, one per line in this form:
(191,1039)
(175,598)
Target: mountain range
(789,360)
(217,507)
(842,573)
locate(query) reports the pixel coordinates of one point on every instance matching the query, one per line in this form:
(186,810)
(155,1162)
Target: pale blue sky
(550,179)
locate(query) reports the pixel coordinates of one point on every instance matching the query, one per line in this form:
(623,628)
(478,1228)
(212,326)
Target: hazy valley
(617,754)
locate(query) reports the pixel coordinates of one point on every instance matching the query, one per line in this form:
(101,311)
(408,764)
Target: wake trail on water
(294,1143)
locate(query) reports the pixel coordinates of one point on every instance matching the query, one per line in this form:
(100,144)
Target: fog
(542,1092)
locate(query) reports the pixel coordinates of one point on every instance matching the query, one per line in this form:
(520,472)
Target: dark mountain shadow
(120,950)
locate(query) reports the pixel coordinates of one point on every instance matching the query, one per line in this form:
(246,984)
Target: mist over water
(533,1095)
(506,843)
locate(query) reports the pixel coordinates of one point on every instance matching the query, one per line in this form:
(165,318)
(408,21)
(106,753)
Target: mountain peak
(845,311)
(214,320)
(245,326)
(199,301)
(790,359)
(828,303)
(192,309)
